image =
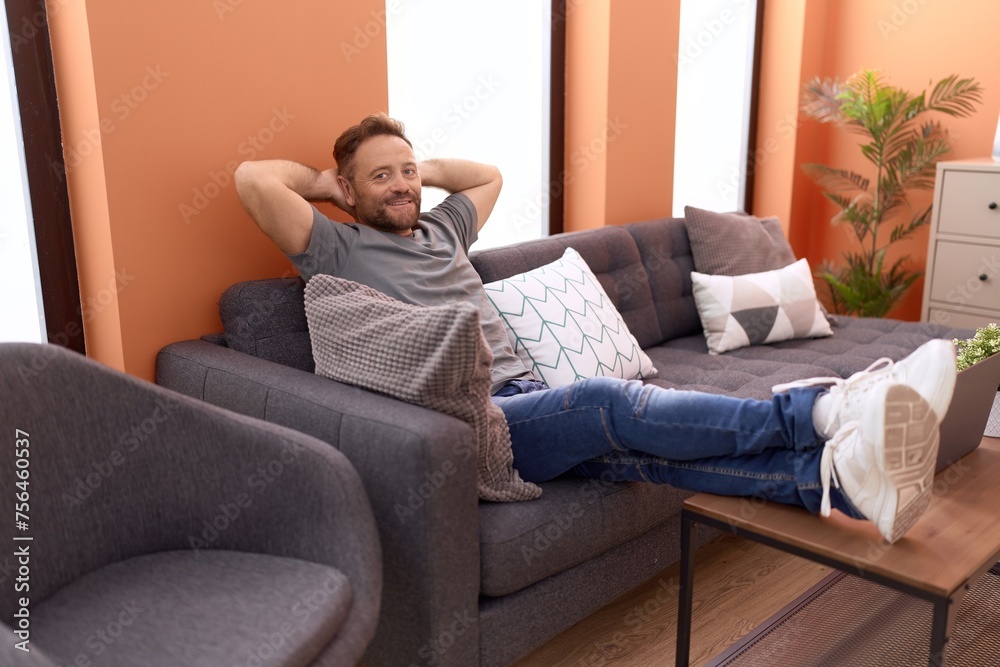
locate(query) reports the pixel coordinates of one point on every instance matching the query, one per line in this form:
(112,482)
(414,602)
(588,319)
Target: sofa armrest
(418,468)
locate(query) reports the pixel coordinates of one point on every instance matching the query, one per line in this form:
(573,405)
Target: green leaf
(955,97)
(836,180)
(903,154)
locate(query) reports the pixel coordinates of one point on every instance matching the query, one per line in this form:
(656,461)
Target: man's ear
(348,189)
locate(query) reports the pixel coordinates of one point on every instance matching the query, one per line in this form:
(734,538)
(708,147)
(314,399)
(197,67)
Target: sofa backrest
(645,267)
(666,256)
(267,318)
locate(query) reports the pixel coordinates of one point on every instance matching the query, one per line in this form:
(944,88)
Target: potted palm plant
(985,343)
(903,149)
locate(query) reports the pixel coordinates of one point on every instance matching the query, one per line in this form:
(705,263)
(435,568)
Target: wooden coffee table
(952,544)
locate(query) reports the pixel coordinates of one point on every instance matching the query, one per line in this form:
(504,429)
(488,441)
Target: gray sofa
(475,583)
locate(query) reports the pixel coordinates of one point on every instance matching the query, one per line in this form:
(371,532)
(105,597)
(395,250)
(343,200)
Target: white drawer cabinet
(962,284)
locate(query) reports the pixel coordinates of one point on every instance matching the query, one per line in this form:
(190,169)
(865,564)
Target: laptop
(963,425)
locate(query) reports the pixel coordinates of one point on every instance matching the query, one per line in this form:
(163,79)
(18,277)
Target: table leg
(939,632)
(686,592)
(945,612)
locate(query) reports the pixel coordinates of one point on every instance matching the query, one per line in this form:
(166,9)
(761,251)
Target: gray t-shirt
(429,268)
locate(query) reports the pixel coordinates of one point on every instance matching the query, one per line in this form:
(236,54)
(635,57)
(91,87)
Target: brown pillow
(734,244)
(435,356)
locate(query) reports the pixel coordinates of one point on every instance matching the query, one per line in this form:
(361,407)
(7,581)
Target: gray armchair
(166,531)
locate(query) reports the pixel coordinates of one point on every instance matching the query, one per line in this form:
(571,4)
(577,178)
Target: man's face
(385,188)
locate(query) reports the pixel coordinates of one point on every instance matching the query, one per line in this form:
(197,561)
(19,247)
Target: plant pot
(993,423)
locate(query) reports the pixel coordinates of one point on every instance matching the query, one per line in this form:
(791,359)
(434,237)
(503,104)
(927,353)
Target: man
(873,436)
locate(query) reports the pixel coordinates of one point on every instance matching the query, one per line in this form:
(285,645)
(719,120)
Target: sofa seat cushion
(750,372)
(198,608)
(573,521)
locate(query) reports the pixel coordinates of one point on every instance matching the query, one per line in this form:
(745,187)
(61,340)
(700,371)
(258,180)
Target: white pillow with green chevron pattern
(564,327)
(737,311)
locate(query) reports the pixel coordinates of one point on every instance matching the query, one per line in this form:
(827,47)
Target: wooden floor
(738,584)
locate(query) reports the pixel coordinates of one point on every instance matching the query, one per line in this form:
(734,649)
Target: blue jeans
(623,430)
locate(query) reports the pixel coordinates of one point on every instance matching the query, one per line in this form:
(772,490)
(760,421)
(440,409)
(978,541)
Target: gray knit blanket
(436,357)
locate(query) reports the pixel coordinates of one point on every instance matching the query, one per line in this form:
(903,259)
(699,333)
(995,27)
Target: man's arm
(481,183)
(276,194)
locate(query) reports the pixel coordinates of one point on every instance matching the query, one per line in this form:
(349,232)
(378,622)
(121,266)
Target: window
(31,162)
(23,318)
(466,91)
(717,61)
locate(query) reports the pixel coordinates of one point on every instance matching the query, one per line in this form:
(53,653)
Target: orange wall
(159,103)
(588,34)
(642,94)
(913,43)
(621,87)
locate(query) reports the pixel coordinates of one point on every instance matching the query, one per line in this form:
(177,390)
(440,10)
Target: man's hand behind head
(336,195)
(276,194)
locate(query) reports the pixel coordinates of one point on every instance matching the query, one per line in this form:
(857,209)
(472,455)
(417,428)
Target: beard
(383,216)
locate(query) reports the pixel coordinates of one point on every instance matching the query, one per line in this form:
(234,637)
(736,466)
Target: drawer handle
(993,206)
(983,277)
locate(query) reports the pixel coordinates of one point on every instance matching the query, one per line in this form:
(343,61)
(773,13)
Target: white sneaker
(930,370)
(884,463)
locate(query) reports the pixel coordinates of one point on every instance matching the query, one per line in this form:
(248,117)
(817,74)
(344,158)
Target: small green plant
(985,343)
(903,152)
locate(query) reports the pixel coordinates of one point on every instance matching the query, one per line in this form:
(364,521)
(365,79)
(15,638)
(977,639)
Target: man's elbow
(495,182)
(244,175)
(248,178)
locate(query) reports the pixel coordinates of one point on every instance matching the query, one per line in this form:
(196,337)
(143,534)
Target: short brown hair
(372,126)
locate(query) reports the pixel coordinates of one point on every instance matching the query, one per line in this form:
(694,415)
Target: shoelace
(826,470)
(838,392)
(833,380)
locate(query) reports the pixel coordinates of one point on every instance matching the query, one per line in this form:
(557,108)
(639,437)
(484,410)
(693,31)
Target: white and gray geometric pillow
(737,311)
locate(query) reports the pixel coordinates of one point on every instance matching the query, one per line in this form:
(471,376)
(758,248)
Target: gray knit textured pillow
(732,244)
(435,357)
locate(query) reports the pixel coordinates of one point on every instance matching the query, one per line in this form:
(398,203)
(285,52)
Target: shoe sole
(906,457)
(937,391)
